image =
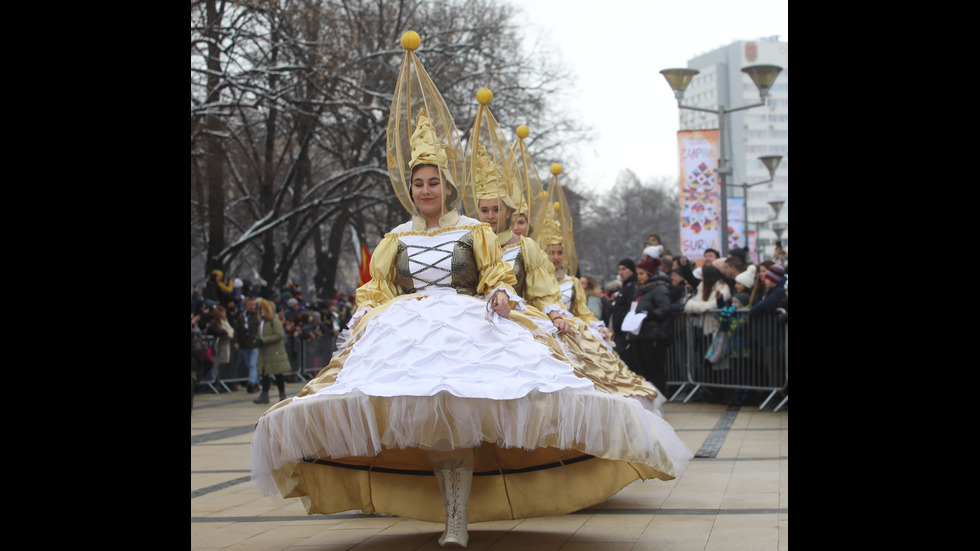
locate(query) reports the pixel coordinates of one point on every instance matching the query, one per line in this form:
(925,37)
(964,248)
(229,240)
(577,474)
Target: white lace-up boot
(455,486)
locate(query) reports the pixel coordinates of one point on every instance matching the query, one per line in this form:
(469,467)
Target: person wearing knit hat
(650,265)
(628,263)
(775,274)
(746,280)
(775,292)
(653,251)
(621,305)
(648,346)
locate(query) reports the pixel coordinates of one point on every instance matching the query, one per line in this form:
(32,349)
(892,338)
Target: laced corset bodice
(443,260)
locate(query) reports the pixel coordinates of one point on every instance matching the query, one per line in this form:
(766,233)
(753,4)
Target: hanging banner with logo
(700,192)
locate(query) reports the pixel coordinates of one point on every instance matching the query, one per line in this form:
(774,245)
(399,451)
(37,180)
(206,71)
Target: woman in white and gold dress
(434,381)
(503,190)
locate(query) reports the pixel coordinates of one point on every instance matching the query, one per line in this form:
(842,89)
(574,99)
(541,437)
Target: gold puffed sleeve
(494,272)
(580,306)
(540,286)
(382,286)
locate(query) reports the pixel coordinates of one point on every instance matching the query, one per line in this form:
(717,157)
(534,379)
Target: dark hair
(718,254)
(709,277)
(591,284)
(449,198)
(736,262)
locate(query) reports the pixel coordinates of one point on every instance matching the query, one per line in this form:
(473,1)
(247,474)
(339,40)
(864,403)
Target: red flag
(364,274)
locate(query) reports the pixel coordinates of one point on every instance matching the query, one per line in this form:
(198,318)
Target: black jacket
(247,338)
(621,305)
(654,299)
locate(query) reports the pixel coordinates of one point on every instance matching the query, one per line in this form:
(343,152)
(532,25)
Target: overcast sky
(617,48)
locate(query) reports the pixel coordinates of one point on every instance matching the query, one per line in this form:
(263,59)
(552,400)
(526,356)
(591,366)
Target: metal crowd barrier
(210,377)
(757,356)
(306,358)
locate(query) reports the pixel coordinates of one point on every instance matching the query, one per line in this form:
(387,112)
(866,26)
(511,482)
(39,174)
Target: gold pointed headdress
(554,222)
(488,181)
(489,161)
(421,131)
(426,149)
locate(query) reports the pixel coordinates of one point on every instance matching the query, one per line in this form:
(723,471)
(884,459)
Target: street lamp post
(763,76)
(776,206)
(772,163)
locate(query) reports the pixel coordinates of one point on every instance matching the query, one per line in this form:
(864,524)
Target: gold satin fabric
(508,483)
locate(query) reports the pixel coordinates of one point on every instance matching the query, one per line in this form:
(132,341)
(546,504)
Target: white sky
(617,49)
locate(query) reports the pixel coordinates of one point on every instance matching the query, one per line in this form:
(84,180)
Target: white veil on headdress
(421,131)
(490,169)
(532,191)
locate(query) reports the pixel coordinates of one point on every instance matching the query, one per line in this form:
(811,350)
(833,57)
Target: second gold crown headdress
(489,164)
(554,222)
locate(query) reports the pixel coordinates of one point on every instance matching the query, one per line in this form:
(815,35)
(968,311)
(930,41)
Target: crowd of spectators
(218,334)
(700,290)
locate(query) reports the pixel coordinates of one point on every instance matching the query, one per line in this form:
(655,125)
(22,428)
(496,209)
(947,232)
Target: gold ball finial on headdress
(522,132)
(556,169)
(411,40)
(484,96)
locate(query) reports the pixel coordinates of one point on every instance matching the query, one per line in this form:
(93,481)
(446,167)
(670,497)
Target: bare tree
(615,225)
(298,92)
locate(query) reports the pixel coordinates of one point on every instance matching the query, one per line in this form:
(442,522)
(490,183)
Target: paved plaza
(732,496)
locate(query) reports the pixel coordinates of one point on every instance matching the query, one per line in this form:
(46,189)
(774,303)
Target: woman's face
(490,213)
(739,288)
(554,253)
(520,227)
(427,191)
(642,276)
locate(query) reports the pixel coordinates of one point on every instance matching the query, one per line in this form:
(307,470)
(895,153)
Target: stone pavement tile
(744,533)
(611,528)
(676,533)
(597,546)
(539,534)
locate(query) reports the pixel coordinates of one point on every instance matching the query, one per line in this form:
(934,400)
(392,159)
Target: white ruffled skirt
(431,372)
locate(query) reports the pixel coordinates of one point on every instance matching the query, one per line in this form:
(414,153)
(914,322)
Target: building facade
(750,133)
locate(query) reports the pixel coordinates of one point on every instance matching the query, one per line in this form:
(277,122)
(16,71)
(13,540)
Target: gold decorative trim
(470,227)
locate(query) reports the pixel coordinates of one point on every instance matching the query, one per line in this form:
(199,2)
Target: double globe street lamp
(772,163)
(763,76)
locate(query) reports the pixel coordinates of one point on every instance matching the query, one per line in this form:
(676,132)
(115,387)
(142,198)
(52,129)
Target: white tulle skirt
(433,373)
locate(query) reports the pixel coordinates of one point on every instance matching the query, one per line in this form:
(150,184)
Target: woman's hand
(562,325)
(500,304)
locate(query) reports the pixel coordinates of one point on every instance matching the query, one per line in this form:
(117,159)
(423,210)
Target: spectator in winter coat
(621,304)
(648,348)
(711,293)
(775,291)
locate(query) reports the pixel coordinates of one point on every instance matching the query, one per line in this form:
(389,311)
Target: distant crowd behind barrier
(746,334)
